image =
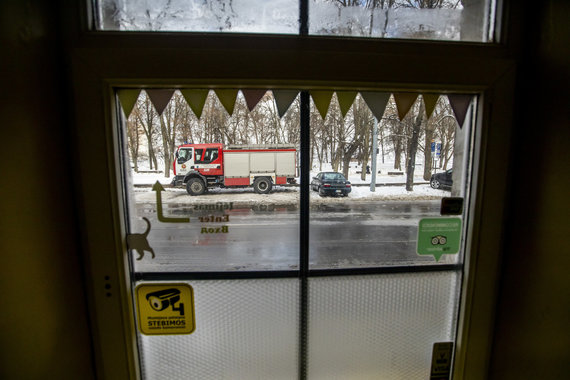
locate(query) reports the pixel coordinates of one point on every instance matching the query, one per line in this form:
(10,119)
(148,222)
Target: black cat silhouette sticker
(139,242)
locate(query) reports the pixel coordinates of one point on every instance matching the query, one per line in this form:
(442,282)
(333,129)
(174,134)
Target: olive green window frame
(100,62)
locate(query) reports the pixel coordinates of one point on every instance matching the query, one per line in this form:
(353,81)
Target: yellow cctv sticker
(165,309)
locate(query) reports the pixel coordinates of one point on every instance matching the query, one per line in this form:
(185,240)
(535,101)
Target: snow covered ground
(389,187)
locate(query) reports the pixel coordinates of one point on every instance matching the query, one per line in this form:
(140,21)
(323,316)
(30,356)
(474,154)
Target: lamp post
(374,155)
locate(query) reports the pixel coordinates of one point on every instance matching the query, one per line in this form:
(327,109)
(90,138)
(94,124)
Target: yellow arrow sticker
(161,218)
(165,309)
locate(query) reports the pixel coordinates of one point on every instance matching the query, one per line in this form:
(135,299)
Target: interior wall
(44,330)
(531,335)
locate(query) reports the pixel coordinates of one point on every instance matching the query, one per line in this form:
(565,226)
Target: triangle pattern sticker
(228,99)
(128,99)
(345,100)
(196,99)
(376,102)
(430,101)
(283,100)
(160,98)
(460,104)
(252,97)
(322,100)
(404,101)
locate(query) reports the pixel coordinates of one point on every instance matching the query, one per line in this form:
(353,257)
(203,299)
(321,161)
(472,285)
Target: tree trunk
(154,159)
(382,141)
(397,156)
(335,162)
(345,166)
(346,157)
(133,142)
(312,154)
(413,148)
(151,156)
(165,149)
(363,172)
(427,152)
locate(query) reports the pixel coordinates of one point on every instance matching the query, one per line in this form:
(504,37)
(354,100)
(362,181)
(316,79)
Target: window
(239,302)
(211,155)
(464,20)
(184,155)
(241,217)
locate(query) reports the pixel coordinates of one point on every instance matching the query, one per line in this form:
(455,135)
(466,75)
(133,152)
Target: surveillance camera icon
(162,299)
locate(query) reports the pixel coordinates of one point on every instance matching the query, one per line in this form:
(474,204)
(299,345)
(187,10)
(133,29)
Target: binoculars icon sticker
(439,239)
(162,299)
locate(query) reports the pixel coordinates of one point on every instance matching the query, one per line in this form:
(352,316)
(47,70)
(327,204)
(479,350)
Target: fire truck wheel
(262,185)
(195,186)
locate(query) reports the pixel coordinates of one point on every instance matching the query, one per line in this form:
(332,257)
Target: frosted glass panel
(245,329)
(467,20)
(249,16)
(379,327)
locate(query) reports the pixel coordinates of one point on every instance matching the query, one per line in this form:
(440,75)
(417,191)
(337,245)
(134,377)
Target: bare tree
(214,123)
(173,116)
(319,139)
(133,138)
(291,122)
(351,133)
(336,140)
(428,140)
(336,132)
(363,122)
(396,132)
(444,130)
(188,125)
(267,110)
(147,118)
(413,146)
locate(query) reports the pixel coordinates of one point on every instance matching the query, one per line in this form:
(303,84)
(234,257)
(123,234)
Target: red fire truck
(203,166)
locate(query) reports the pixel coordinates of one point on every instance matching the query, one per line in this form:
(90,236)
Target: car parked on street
(331,183)
(442,180)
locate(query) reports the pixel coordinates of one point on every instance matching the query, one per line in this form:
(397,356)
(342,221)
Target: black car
(442,180)
(331,183)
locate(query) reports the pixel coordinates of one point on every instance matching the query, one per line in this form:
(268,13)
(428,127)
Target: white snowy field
(389,187)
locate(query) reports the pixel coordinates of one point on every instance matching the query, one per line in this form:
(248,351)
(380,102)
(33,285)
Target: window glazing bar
(304,17)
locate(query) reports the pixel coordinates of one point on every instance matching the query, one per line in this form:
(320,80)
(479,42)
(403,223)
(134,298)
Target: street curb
(144,185)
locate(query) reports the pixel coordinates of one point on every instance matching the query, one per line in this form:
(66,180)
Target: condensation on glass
(455,20)
(451,20)
(237,16)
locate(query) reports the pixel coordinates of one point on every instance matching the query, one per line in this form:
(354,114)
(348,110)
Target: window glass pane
(245,329)
(215,193)
(465,20)
(379,327)
(246,16)
(456,20)
(419,161)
